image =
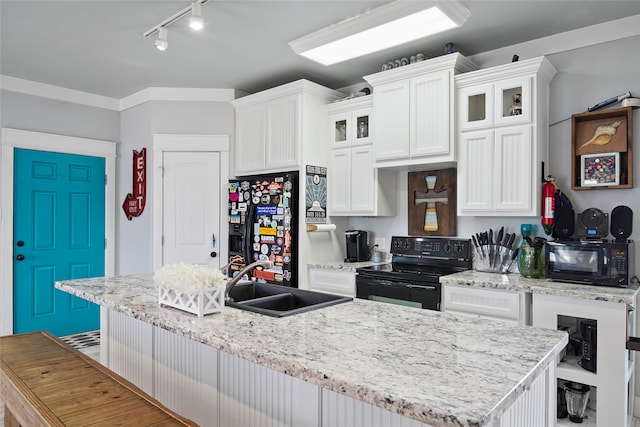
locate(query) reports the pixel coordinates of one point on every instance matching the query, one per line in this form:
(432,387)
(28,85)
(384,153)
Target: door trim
(187,143)
(16,138)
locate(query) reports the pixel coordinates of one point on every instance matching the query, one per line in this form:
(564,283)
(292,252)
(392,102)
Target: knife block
(502,261)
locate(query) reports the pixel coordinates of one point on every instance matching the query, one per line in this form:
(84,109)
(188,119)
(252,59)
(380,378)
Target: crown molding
(177,94)
(44,90)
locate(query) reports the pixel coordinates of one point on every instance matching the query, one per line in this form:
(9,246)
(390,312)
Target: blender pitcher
(577,396)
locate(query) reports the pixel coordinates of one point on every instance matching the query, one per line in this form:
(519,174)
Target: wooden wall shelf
(602,150)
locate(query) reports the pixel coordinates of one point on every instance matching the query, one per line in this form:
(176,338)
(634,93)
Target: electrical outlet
(380,241)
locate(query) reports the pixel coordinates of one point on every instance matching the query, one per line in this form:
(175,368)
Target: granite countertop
(516,282)
(438,368)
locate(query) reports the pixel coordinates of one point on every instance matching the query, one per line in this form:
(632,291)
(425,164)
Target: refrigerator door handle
(248,227)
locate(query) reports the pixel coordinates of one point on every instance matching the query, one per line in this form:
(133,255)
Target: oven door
(418,294)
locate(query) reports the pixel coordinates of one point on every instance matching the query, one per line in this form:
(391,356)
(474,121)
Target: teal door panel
(59,232)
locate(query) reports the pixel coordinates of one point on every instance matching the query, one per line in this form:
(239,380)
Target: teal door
(59,234)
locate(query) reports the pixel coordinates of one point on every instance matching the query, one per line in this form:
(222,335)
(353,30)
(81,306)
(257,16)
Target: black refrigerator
(263,225)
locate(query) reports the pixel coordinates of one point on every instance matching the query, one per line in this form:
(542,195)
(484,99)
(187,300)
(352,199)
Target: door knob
(20,257)
(214,254)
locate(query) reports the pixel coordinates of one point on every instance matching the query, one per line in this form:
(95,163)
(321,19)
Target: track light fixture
(195,22)
(161,42)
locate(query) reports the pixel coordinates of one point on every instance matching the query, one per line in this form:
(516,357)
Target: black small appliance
(590,262)
(589,332)
(592,224)
(357,246)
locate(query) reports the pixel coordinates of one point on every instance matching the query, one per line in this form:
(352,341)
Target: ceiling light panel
(393,24)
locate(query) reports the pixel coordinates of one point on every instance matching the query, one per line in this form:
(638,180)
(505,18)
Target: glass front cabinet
(350,128)
(502,138)
(355,186)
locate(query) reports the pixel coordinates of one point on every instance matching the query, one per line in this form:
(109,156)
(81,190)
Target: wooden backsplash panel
(439,201)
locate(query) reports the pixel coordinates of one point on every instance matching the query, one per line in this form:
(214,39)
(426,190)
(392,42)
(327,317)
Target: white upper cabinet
(351,126)
(414,110)
(503,138)
(356,187)
(276,129)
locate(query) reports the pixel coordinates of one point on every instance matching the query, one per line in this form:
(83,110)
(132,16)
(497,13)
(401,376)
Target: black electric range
(412,277)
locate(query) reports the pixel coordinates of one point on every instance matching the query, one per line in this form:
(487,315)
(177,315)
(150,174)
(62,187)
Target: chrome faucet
(238,277)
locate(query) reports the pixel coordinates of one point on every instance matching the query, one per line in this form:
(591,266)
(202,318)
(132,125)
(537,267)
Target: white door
(191,208)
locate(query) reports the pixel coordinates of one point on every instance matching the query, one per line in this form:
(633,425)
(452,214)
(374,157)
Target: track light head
(161,42)
(195,20)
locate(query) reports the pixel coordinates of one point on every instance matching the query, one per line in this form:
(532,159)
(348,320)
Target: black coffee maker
(589,349)
(357,246)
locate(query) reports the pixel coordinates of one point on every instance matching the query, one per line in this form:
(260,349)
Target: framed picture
(600,169)
(598,140)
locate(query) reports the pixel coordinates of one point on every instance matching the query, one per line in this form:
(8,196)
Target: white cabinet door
(340,129)
(512,168)
(283,133)
(505,91)
(430,114)
(475,172)
(250,142)
(391,105)
(333,282)
(363,180)
(362,126)
(475,107)
(339,181)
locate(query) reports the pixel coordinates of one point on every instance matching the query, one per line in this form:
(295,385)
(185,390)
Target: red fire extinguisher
(548,204)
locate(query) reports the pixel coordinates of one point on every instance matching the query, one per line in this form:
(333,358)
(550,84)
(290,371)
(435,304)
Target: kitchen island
(357,363)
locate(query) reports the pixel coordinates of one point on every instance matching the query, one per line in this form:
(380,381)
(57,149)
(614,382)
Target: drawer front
(334,282)
(491,303)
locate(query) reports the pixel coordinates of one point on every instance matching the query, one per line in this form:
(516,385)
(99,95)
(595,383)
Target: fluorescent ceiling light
(390,25)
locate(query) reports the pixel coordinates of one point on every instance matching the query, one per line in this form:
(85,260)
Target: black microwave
(590,262)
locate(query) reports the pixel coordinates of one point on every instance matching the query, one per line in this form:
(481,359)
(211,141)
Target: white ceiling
(98,47)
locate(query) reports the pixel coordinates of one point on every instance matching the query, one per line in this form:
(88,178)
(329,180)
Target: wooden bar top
(45,382)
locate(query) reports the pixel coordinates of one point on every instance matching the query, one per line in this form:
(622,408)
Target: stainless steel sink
(279,301)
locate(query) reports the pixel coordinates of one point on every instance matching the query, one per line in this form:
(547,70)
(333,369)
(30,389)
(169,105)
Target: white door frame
(188,143)
(16,138)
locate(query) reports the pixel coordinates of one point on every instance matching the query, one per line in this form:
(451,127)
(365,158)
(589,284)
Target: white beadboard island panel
(431,367)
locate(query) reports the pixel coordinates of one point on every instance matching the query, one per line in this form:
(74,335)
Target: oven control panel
(431,247)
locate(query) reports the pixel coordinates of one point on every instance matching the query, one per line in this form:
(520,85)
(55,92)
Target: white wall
(139,123)
(27,112)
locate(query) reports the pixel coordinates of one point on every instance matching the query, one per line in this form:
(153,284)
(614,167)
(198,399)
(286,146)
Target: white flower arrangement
(188,278)
(189,287)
